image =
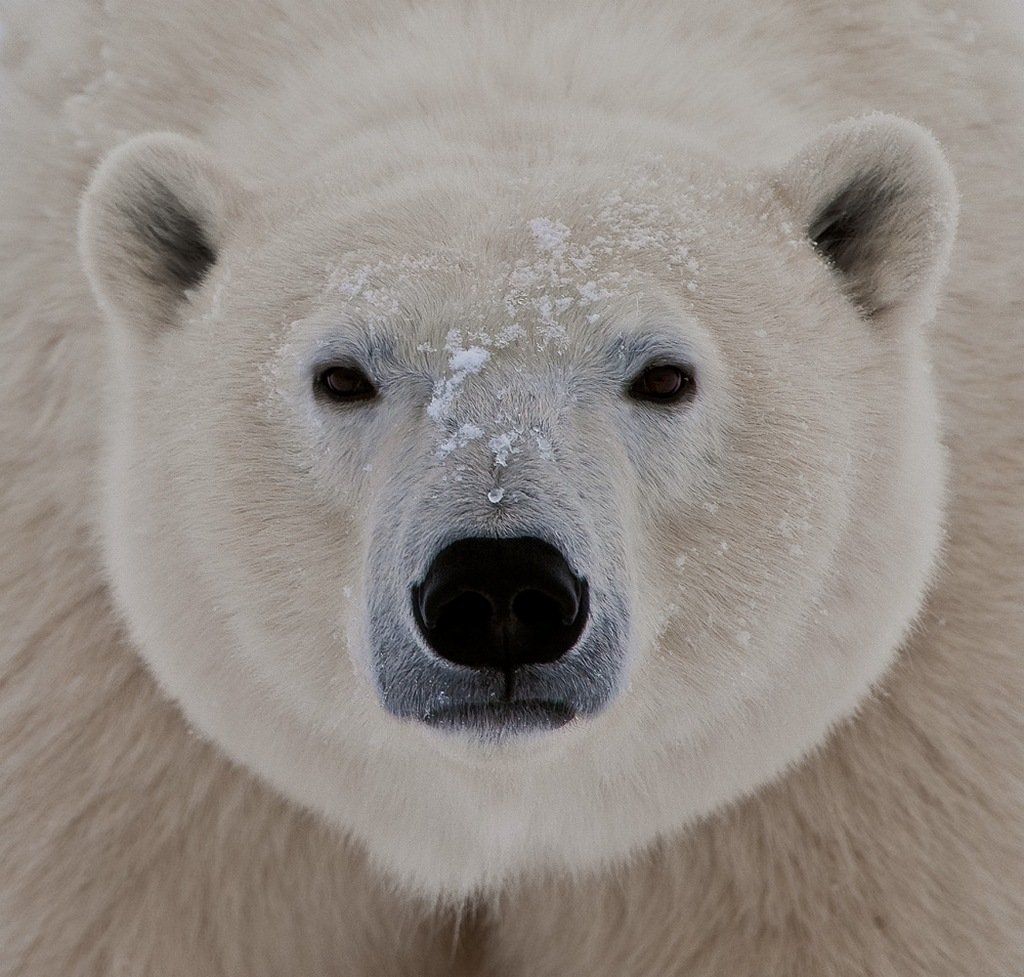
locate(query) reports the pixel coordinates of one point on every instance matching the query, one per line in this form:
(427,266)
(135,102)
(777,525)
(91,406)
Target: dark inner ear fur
(849,231)
(171,236)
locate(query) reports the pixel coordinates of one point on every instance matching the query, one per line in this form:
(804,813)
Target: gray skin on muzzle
(548,547)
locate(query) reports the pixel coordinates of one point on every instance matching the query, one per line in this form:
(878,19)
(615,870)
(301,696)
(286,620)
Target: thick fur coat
(807,754)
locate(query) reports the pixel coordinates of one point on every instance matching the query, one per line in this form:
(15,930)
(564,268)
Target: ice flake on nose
(503,445)
(543,445)
(470,360)
(463,359)
(462,437)
(462,362)
(444,393)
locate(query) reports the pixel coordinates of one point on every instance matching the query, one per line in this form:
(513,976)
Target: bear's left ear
(152,224)
(877,200)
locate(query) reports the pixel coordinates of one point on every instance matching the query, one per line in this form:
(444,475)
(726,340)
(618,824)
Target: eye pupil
(664,383)
(345,383)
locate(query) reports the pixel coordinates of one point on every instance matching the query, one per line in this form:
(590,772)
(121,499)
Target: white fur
(597,171)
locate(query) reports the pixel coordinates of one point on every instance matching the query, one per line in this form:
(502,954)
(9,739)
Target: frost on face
(462,437)
(374,287)
(543,446)
(590,292)
(563,270)
(575,269)
(550,235)
(469,360)
(540,288)
(462,362)
(503,445)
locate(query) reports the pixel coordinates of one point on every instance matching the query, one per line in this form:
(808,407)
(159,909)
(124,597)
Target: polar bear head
(511,523)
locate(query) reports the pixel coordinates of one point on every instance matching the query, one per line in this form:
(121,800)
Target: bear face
(684,409)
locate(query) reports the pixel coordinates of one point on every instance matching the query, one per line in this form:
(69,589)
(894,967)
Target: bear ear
(877,200)
(151,226)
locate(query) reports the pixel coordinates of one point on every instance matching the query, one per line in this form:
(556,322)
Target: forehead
(506,264)
(537,280)
(530,312)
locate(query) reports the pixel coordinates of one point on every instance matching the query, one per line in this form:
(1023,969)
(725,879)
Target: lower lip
(501,718)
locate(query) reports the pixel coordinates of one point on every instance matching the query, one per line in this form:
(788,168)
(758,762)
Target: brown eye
(345,383)
(664,384)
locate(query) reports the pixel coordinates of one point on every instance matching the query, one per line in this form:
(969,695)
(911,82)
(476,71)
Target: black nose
(500,603)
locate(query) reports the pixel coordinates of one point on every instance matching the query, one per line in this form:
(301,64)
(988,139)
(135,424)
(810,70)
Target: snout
(503,637)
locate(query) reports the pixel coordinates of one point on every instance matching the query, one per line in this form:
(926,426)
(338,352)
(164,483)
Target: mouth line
(502,717)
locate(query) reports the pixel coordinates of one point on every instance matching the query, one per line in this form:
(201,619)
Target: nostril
(468,612)
(538,610)
(461,628)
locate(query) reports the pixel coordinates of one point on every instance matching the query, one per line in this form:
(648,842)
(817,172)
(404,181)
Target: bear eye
(665,383)
(344,384)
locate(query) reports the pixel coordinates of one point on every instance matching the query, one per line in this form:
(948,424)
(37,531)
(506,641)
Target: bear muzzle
(498,605)
(503,638)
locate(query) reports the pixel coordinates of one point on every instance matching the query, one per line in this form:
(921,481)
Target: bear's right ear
(876,199)
(152,224)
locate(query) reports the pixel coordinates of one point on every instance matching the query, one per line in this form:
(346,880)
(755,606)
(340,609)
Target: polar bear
(511,488)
